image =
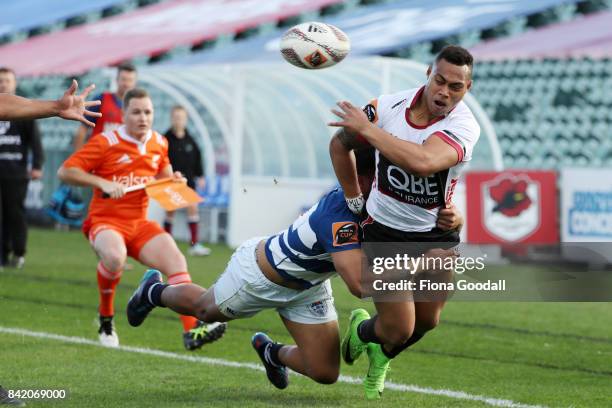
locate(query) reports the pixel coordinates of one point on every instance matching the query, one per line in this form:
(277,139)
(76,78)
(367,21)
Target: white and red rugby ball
(314,45)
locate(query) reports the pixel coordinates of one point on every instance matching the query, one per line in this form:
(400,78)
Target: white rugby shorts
(243,291)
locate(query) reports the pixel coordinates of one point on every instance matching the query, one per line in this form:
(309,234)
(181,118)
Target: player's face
(8,83)
(138,117)
(179,119)
(447,84)
(126,80)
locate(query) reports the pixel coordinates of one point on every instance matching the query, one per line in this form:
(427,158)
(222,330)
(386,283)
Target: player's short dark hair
(135,93)
(456,55)
(125,67)
(7,70)
(178,107)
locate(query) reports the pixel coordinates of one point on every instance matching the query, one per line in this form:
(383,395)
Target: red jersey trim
(458,148)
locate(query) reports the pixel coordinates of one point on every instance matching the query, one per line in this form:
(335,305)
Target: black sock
(154,293)
(398,349)
(273,354)
(367,332)
(106,324)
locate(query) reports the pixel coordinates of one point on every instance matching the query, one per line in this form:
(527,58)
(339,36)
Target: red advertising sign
(511,207)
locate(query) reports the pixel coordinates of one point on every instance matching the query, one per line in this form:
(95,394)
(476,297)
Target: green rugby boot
(352,346)
(374,382)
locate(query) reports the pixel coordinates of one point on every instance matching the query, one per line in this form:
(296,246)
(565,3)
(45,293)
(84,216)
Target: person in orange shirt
(117,226)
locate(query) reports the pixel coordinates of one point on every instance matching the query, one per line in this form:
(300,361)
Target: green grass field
(485,354)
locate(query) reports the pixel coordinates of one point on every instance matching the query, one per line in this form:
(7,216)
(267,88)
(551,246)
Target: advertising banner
(586,205)
(512,207)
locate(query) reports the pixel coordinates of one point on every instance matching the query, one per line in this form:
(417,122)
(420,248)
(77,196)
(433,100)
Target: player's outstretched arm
(422,160)
(348,265)
(13,107)
(343,161)
(70,106)
(78,177)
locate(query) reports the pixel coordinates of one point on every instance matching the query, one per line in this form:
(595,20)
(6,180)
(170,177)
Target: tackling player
(117,226)
(289,272)
(423,138)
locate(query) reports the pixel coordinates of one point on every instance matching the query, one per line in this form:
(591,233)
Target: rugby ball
(314,45)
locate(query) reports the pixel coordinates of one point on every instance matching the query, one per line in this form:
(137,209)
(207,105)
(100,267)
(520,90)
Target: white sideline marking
(495,402)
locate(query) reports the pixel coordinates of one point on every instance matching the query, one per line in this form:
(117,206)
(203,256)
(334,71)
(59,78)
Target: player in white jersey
(289,272)
(423,138)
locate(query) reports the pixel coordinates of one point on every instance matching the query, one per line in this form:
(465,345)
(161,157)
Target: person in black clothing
(185,157)
(17,139)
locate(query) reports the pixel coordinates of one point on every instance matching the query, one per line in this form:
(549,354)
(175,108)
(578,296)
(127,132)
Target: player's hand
(74,107)
(36,174)
(177,177)
(112,189)
(449,218)
(355,204)
(353,119)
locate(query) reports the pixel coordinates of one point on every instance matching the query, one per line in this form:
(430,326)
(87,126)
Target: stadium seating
(189,23)
(549,113)
(18,22)
(388,28)
(488,21)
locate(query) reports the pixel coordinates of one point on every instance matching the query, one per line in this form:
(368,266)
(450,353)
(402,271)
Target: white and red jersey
(404,201)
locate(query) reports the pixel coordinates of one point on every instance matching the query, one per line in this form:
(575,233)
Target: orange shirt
(118,157)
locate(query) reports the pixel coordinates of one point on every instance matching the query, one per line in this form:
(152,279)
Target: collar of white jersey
(142,145)
(415,99)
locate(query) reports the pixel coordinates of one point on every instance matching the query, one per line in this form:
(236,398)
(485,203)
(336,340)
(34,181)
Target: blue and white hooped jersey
(302,253)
